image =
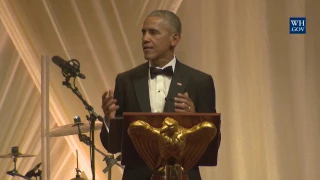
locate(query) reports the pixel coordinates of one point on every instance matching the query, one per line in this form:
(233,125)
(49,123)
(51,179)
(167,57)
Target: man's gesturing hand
(109,106)
(183,103)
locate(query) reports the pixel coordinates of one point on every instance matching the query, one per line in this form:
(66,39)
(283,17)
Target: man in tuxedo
(162,84)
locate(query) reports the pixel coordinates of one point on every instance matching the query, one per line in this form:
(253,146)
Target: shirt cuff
(107,123)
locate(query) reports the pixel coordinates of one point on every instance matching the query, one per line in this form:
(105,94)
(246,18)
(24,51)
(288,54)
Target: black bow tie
(168,71)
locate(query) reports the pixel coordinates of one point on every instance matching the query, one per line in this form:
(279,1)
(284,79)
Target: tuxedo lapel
(177,85)
(140,83)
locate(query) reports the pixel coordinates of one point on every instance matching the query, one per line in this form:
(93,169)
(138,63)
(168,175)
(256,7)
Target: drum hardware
(72,129)
(110,160)
(33,173)
(14,155)
(78,171)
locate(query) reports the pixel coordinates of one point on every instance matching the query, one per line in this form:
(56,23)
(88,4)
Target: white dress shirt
(159,88)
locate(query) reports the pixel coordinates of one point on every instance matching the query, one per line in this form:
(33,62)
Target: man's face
(157,41)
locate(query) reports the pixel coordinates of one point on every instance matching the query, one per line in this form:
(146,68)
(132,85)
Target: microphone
(69,69)
(32,172)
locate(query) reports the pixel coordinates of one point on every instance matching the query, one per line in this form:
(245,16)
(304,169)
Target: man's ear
(175,39)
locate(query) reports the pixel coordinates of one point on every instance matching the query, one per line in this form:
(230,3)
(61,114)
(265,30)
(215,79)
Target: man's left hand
(183,103)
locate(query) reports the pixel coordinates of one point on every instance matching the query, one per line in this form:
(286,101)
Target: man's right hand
(109,106)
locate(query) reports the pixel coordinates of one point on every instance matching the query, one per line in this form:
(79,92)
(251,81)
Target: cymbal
(71,129)
(19,155)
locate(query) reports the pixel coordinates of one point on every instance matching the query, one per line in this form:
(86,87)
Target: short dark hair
(172,18)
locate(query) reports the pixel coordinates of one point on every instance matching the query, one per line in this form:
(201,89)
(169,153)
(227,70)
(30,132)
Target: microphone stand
(110,160)
(91,118)
(75,72)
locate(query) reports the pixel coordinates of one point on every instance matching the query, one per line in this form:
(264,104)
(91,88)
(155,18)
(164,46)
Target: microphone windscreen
(59,61)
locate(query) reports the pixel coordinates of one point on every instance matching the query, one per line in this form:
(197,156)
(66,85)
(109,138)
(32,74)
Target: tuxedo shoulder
(143,68)
(195,72)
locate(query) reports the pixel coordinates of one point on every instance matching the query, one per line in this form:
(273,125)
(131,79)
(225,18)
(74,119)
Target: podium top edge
(169,114)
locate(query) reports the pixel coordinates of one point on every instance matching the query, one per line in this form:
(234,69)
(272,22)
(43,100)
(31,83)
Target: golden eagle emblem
(171,144)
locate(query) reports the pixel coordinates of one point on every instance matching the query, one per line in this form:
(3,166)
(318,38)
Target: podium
(120,141)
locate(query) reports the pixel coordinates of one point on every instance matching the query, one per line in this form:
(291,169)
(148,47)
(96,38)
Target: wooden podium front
(121,142)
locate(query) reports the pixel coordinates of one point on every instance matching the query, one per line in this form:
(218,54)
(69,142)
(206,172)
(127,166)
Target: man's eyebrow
(153,29)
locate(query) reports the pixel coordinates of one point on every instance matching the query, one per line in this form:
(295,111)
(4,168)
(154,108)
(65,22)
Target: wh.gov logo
(298,25)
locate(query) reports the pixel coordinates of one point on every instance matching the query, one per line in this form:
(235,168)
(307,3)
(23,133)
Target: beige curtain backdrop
(267,80)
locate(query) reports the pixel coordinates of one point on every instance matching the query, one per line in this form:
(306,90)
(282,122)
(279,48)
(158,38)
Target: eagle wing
(145,139)
(197,140)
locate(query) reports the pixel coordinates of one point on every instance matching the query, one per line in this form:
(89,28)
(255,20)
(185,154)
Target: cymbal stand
(38,174)
(91,118)
(110,160)
(77,169)
(33,173)
(15,172)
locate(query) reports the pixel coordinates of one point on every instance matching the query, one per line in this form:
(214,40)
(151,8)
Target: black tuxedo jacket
(132,94)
